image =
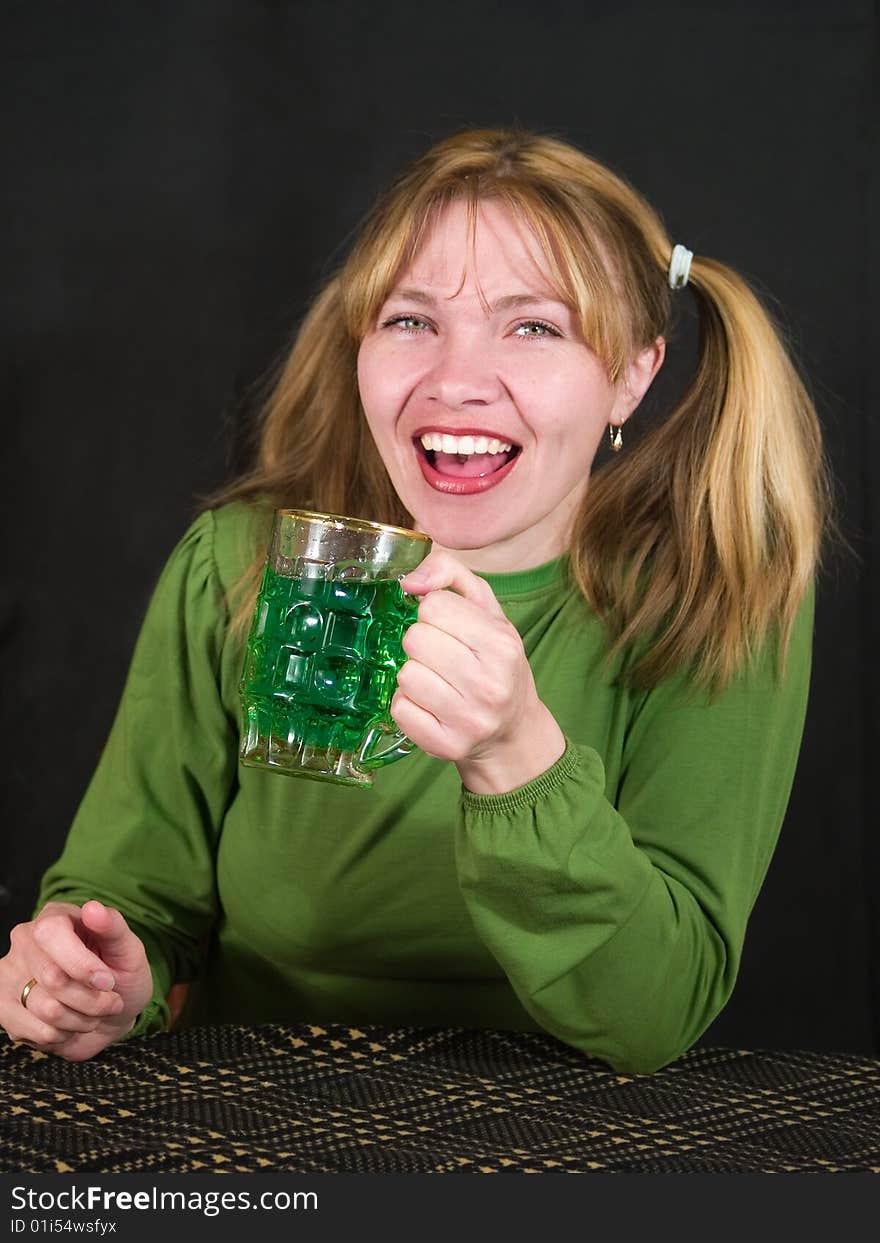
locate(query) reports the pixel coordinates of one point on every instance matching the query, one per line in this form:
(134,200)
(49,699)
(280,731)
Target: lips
(459,484)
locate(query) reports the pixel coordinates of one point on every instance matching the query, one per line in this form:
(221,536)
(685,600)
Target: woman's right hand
(92,980)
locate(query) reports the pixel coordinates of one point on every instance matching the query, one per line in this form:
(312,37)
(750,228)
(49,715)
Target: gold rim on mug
(311,515)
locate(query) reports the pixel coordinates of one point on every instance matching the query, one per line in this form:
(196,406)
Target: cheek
(385,380)
(369,377)
(573,409)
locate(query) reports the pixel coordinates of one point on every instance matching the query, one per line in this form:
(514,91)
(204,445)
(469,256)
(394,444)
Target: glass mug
(324,649)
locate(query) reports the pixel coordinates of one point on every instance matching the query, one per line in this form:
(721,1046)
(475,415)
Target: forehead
(493,249)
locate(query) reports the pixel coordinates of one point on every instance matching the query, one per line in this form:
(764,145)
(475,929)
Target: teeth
(440,442)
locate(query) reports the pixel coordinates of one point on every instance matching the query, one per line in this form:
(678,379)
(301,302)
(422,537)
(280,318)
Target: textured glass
(325,647)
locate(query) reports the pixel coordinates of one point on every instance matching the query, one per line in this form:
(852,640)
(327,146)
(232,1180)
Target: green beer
(322,659)
(325,646)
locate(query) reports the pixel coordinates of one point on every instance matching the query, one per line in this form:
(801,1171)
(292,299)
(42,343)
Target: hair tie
(679,266)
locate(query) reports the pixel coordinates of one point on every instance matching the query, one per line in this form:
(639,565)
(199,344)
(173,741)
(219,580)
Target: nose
(463,374)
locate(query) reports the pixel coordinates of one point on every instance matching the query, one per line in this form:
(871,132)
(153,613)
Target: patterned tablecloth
(337,1099)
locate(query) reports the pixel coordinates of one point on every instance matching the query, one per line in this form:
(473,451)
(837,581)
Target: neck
(508,556)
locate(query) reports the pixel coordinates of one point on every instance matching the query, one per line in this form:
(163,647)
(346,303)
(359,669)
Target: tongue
(470,465)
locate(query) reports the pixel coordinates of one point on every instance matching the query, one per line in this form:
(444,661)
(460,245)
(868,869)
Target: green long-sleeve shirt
(605,902)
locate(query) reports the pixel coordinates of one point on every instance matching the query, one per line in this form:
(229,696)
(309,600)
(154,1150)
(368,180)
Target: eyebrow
(509,300)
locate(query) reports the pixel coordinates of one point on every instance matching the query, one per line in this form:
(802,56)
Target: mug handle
(397,745)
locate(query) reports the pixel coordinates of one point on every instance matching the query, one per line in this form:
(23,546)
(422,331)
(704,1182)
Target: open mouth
(463,465)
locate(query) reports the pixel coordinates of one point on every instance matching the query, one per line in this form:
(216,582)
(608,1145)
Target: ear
(637,378)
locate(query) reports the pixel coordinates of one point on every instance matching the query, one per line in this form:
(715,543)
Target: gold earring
(616,438)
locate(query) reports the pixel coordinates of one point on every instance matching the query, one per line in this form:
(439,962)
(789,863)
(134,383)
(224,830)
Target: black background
(178,177)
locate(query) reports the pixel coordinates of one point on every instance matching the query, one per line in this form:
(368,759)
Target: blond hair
(692,545)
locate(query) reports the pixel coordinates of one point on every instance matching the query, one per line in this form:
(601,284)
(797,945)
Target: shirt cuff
(155,1018)
(539,787)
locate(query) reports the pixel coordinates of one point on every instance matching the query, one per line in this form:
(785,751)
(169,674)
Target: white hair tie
(679,266)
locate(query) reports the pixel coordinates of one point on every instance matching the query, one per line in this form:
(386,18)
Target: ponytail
(706,535)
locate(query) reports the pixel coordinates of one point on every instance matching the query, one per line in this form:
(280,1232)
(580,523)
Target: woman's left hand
(467,693)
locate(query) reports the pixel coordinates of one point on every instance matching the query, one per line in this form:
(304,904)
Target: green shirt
(604,902)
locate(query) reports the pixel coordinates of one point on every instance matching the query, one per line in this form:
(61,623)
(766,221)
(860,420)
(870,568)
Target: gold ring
(26,991)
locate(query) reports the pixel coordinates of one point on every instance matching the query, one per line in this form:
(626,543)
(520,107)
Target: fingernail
(102,980)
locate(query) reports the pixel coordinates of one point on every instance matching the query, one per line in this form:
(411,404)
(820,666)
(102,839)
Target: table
(338,1099)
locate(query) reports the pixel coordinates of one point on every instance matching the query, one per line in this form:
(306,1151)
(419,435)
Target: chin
(459,534)
(461,523)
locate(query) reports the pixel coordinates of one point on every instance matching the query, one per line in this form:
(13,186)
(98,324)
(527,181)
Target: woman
(607,680)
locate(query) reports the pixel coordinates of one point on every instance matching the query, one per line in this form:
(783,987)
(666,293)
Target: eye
(536,328)
(406,323)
